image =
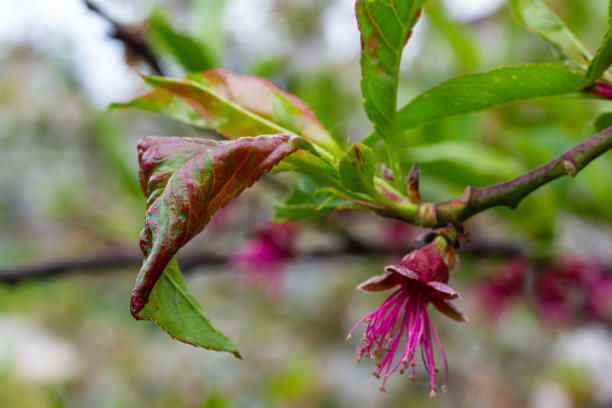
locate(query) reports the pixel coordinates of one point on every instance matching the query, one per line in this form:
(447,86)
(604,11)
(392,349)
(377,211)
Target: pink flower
(421,279)
(263,259)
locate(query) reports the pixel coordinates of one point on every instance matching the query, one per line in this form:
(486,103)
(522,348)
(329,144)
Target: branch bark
(510,193)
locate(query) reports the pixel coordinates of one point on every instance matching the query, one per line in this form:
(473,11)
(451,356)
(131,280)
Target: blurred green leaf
(210,31)
(190,53)
(310,198)
(473,92)
(116,155)
(357,169)
(602,60)
(538,18)
(603,121)
(173,307)
(471,154)
(455,34)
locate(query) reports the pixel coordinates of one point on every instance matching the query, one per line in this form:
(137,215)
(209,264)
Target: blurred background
(536,281)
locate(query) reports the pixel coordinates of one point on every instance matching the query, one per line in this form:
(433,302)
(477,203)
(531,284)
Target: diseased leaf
(310,198)
(191,54)
(172,306)
(239,105)
(602,60)
(473,92)
(385,28)
(186,180)
(357,169)
(538,18)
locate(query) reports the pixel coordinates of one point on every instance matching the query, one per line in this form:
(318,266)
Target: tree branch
(132,37)
(510,193)
(189,262)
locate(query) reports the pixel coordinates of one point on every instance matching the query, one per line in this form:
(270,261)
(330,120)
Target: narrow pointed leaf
(474,92)
(357,169)
(602,60)
(385,27)
(186,180)
(538,18)
(173,307)
(188,52)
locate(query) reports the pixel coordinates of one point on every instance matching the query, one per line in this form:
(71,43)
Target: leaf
(473,92)
(602,60)
(172,306)
(240,105)
(538,18)
(479,158)
(188,52)
(357,169)
(310,198)
(186,180)
(385,28)
(166,104)
(457,35)
(603,121)
(208,15)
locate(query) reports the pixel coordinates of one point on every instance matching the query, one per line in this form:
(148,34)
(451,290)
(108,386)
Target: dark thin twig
(132,38)
(189,262)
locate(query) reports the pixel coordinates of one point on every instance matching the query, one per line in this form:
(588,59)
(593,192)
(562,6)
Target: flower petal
(402,270)
(448,308)
(378,283)
(444,289)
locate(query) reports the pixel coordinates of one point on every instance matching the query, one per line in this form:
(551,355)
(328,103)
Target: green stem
(511,192)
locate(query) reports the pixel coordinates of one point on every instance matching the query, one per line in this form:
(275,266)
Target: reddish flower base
(403,319)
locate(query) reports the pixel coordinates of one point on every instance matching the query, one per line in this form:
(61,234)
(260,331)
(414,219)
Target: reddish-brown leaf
(186,180)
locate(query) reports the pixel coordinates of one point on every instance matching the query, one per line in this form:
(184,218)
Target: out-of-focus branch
(189,262)
(132,37)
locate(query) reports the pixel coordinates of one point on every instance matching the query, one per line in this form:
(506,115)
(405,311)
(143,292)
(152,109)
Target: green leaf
(385,27)
(310,198)
(186,180)
(473,92)
(480,158)
(166,104)
(603,121)
(191,54)
(173,307)
(357,169)
(538,18)
(208,15)
(457,35)
(602,60)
